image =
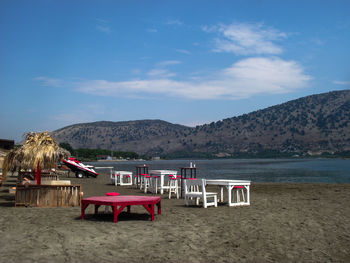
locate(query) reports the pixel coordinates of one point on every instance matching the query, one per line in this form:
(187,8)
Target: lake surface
(256,170)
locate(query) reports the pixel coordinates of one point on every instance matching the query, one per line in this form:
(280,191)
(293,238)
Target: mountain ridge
(313,124)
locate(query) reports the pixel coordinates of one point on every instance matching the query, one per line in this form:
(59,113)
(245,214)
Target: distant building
(102,157)
(7,144)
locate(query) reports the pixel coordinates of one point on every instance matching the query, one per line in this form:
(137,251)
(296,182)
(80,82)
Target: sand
(284,223)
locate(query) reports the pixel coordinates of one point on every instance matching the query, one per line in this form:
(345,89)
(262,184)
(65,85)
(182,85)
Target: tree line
(92,154)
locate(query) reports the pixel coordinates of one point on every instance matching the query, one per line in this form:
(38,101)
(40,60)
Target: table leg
(117,212)
(155,185)
(83,207)
(229,197)
(150,209)
(221,194)
(159,208)
(248,194)
(116,179)
(96,209)
(161,184)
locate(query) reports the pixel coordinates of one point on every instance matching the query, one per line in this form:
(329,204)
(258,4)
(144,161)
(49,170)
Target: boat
(79,168)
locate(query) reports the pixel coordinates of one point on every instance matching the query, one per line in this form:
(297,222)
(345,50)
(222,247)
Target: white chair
(126,179)
(113,177)
(239,189)
(147,183)
(121,178)
(142,181)
(173,186)
(195,190)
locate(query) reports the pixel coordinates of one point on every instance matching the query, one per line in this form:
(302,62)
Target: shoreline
(286,222)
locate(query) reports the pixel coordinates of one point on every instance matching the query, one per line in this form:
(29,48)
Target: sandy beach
(284,223)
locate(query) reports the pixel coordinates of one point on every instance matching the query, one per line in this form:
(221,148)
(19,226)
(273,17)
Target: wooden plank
(48,195)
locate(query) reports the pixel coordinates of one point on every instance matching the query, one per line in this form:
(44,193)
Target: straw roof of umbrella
(39,148)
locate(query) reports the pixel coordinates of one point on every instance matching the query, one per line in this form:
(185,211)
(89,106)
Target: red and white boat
(79,168)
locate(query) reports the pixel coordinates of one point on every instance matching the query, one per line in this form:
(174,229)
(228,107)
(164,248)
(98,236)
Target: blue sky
(186,62)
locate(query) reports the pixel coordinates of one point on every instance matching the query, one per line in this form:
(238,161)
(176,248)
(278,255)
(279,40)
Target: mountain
(144,136)
(313,124)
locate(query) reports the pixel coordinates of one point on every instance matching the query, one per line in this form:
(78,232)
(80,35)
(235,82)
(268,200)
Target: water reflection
(256,170)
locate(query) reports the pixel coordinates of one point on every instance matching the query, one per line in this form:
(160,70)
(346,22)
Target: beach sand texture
(284,223)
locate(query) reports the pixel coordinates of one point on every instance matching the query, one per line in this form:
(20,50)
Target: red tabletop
(122,201)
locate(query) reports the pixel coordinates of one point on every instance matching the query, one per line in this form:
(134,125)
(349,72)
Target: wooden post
(38,175)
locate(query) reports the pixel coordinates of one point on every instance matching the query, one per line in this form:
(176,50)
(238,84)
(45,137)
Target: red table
(122,201)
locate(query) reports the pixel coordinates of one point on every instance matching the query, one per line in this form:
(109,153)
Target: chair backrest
(189,186)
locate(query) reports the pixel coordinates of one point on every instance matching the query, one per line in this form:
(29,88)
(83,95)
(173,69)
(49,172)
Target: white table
(160,182)
(230,184)
(121,178)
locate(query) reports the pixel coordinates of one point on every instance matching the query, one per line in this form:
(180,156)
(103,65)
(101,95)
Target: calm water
(256,170)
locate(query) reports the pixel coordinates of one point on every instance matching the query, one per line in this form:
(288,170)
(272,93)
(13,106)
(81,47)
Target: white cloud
(246,78)
(160,73)
(174,22)
(246,39)
(103,26)
(341,82)
(104,29)
(183,51)
(168,63)
(50,82)
(152,30)
(160,70)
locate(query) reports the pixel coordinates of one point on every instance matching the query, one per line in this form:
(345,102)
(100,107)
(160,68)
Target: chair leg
(147,184)
(156,185)
(170,190)
(186,201)
(173,188)
(141,182)
(205,202)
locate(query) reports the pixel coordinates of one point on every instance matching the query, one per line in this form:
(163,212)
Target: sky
(186,62)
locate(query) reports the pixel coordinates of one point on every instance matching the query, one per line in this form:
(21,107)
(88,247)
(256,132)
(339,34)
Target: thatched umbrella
(40,151)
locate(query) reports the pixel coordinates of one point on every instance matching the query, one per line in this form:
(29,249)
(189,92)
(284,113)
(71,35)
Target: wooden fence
(48,195)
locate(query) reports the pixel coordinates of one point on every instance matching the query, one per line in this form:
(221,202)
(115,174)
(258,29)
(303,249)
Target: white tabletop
(122,172)
(225,182)
(162,172)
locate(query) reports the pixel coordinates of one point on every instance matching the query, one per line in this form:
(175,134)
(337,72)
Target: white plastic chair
(239,189)
(195,190)
(173,186)
(147,183)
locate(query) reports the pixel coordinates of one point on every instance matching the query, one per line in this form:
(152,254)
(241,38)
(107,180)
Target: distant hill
(313,124)
(143,137)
